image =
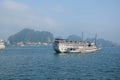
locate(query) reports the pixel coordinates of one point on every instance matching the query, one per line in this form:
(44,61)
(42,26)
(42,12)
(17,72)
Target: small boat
(2,44)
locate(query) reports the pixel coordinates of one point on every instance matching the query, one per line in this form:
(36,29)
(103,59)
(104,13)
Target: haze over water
(62,18)
(42,63)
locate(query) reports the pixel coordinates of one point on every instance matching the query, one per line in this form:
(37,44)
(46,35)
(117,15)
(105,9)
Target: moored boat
(2,45)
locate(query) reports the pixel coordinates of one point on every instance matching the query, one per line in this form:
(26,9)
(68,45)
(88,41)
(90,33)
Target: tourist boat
(65,46)
(2,45)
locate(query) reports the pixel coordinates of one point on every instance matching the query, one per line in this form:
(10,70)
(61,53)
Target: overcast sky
(62,17)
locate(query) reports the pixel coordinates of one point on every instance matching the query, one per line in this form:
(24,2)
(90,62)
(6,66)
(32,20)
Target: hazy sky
(62,17)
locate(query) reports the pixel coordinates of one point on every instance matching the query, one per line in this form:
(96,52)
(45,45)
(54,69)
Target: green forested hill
(30,35)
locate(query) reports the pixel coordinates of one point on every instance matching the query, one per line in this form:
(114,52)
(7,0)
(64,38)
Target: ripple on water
(41,63)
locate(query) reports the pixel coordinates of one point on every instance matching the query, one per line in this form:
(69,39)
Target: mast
(82,37)
(95,38)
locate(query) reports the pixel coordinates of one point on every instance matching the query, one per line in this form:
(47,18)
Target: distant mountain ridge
(30,35)
(99,42)
(74,38)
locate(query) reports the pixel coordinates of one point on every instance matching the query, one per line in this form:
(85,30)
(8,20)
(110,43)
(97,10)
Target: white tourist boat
(2,45)
(64,46)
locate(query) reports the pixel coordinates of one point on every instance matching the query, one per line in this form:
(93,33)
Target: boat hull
(2,47)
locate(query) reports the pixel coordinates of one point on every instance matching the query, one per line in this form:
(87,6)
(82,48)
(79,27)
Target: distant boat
(2,45)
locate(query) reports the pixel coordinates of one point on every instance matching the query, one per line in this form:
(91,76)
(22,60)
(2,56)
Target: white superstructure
(2,44)
(63,46)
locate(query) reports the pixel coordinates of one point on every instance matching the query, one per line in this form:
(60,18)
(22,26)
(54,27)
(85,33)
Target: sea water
(42,63)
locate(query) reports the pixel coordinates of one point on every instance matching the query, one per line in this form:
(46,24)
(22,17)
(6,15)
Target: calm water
(41,63)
